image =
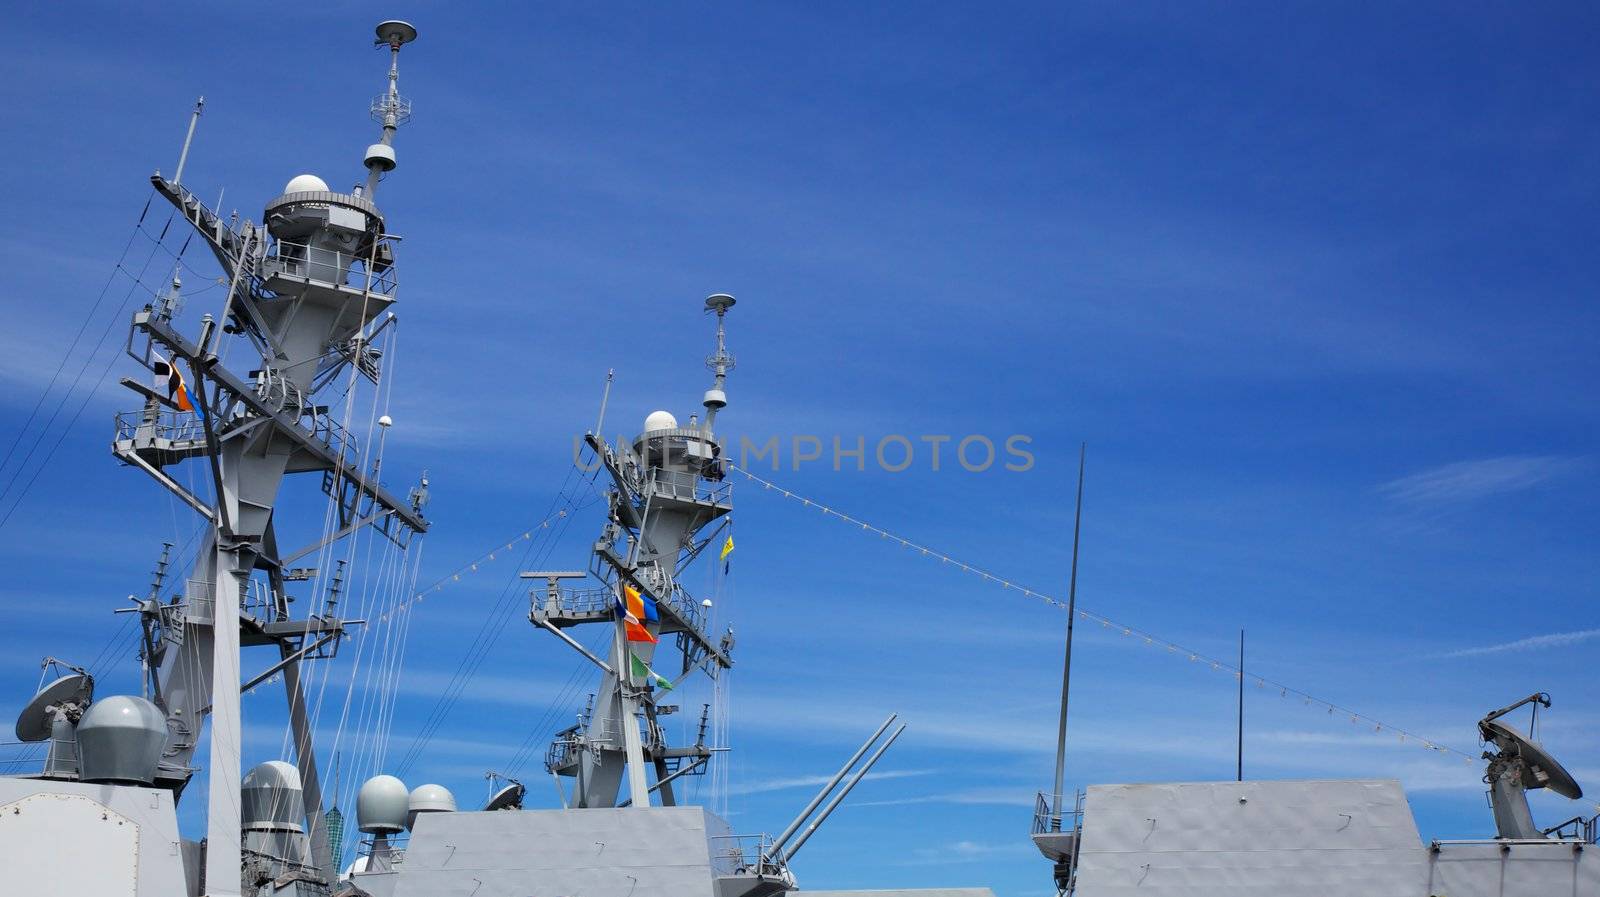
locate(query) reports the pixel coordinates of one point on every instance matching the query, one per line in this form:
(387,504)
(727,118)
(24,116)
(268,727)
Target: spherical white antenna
(381,805)
(660,420)
(706,603)
(429,799)
(306,183)
(386,421)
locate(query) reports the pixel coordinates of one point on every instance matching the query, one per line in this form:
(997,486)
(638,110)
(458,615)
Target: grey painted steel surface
(1250,839)
(924,892)
(120,740)
(80,839)
(638,851)
(1555,869)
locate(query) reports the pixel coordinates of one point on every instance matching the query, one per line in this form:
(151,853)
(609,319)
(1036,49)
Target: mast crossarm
(173,486)
(234,251)
(624,505)
(318,545)
(288,425)
(226,244)
(673,619)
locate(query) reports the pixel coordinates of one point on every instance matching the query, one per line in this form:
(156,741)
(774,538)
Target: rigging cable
(1106,622)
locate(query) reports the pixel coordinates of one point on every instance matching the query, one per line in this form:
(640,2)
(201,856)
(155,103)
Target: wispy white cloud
(1465,481)
(966,851)
(1549,640)
(783,784)
(1003,797)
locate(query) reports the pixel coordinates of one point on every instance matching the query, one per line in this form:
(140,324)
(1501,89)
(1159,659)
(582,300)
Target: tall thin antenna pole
(1239,772)
(183,157)
(605,396)
(1066,664)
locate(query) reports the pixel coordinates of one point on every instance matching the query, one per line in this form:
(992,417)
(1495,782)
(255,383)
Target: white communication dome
(306,183)
(660,420)
(381,805)
(432,798)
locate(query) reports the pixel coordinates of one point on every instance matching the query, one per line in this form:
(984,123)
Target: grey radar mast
(668,502)
(308,289)
(391,109)
(720,362)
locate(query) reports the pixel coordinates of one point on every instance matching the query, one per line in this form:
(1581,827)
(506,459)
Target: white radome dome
(381,805)
(432,798)
(660,420)
(306,183)
(429,799)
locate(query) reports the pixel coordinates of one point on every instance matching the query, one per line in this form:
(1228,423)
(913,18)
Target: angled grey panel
(47,828)
(1250,839)
(1556,869)
(644,852)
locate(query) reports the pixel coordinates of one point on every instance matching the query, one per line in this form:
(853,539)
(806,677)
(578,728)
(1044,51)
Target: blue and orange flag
(637,609)
(168,375)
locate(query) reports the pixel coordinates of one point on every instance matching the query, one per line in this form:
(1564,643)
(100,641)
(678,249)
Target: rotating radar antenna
(1519,765)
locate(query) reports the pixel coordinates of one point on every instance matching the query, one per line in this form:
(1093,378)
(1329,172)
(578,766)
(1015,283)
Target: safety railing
(686,486)
(1049,814)
(584,601)
(563,749)
(323,266)
(188,427)
(744,855)
(21,757)
(1577,829)
(176,426)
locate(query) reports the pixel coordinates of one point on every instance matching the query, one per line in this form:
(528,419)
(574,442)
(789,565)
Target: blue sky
(1313,284)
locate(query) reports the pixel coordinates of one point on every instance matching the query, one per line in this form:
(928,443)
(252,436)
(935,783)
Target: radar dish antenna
(507,798)
(1519,765)
(36,719)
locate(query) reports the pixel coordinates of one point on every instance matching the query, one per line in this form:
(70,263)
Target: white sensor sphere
(429,799)
(706,603)
(306,183)
(386,421)
(660,420)
(381,805)
(432,798)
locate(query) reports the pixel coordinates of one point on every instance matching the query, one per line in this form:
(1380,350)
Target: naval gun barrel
(843,793)
(777,845)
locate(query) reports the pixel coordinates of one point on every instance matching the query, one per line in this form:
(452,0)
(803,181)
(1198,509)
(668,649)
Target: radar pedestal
(1516,766)
(53,715)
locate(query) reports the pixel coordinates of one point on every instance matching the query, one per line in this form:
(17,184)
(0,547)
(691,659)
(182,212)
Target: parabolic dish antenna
(33,724)
(507,798)
(1542,769)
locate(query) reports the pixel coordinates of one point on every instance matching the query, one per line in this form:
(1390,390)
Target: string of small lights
(1131,632)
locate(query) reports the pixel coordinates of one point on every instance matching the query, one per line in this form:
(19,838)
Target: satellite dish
(507,798)
(1541,769)
(33,724)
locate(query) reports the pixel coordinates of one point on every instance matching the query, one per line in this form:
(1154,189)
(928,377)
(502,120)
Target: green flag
(641,670)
